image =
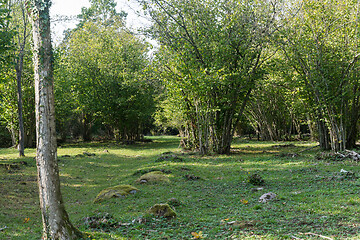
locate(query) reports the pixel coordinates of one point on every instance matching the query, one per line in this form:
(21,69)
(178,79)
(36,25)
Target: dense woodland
(271,70)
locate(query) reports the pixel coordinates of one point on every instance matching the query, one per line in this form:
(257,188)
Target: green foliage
(210,57)
(19,61)
(101,10)
(321,44)
(101,74)
(6,33)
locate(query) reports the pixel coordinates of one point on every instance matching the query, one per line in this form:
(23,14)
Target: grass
(309,198)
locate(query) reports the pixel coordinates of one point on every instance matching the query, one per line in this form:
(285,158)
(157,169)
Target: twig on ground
(318,235)
(294,237)
(307,149)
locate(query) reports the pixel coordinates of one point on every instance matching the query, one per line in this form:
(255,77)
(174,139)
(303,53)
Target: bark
(324,139)
(352,125)
(20,115)
(56,223)
(87,128)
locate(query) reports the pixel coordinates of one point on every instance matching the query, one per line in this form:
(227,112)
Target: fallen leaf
(197,235)
(244,201)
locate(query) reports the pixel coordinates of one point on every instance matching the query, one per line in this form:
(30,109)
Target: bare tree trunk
(56,223)
(19,69)
(20,115)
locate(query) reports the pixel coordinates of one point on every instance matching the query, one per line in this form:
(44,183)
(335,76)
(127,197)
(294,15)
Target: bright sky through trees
(72,8)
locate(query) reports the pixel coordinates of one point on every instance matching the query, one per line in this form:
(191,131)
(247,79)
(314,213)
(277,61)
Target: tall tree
(22,38)
(56,223)
(322,44)
(213,51)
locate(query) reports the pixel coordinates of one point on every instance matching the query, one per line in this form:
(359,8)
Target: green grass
(309,198)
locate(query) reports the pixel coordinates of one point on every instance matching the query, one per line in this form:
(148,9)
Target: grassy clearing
(213,191)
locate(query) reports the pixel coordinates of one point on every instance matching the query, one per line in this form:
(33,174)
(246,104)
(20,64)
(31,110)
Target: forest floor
(314,200)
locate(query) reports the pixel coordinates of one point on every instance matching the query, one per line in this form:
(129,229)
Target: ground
(214,192)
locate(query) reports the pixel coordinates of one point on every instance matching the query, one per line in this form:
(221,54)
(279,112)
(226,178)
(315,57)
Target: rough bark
(56,224)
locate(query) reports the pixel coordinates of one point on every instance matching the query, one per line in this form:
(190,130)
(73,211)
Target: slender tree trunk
(56,223)
(19,68)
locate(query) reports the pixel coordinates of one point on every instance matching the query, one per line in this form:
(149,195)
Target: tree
(18,79)
(56,223)
(106,60)
(22,39)
(101,10)
(211,54)
(321,43)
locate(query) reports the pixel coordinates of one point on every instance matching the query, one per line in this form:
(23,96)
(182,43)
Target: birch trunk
(56,224)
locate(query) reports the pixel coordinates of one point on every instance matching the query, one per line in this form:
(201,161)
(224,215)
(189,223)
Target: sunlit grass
(308,199)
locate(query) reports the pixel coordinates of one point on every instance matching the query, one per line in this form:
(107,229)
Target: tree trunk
(86,128)
(56,223)
(19,67)
(324,139)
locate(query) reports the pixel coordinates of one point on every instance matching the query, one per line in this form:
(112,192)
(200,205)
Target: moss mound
(153,177)
(117,191)
(162,210)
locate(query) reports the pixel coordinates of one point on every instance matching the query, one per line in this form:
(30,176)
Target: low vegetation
(216,196)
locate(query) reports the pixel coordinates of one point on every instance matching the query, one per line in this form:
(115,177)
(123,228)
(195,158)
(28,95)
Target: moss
(156,176)
(117,191)
(162,210)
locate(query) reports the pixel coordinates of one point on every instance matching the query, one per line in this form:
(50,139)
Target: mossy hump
(162,210)
(117,191)
(153,177)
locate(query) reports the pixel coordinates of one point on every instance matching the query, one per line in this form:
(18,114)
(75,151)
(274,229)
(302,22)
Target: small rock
(267,197)
(3,228)
(257,189)
(106,151)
